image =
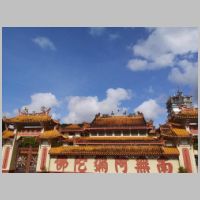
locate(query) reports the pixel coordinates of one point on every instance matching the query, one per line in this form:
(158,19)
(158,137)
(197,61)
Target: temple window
(133,133)
(118,133)
(169,144)
(126,133)
(184,142)
(101,134)
(45,142)
(142,133)
(109,134)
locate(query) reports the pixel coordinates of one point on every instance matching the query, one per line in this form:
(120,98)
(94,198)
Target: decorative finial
(25,110)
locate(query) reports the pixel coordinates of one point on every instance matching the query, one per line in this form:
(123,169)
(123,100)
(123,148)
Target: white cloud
(165,40)
(151,109)
(84,108)
(186,73)
(56,115)
(162,46)
(97,31)
(41,99)
(137,64)
(44,43)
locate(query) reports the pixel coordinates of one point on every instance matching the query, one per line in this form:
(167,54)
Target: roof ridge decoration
(44,111)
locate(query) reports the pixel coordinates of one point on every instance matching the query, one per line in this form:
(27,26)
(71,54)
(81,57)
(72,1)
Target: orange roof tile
(29,118)
(188,113)
(7,134)
(86,125)
(180,132)
(50,134)
(111,150)
(170,151)
(170,131)
(115,121)
(73,126)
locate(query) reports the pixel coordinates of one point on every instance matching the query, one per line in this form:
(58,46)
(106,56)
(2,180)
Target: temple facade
(34,142)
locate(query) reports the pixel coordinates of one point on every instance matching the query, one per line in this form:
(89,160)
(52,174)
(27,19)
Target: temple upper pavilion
(34,142)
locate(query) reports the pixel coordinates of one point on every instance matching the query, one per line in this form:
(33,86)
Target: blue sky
(80,71)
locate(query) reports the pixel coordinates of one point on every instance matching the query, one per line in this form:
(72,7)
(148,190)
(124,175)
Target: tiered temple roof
(169,131)
(187,113)
(30,118)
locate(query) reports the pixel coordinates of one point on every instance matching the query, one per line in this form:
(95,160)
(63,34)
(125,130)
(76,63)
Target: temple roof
(7,134)
(116,138)
(180,132)
(116,121)
(112,150)
(187,113)
(73,126)
(29,118)
(50,134)
(167,130)
(86,125)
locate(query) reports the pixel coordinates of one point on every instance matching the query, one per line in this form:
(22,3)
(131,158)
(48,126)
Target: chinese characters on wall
(85,165)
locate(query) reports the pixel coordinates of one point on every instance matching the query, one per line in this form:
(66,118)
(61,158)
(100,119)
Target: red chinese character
(101,165)
(80,164)
(122,163)
(142,166)
(164,167)
(61,164)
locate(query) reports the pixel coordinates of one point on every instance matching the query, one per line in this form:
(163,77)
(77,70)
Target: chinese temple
(34,142)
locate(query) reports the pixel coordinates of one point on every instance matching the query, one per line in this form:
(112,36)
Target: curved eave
(7,134)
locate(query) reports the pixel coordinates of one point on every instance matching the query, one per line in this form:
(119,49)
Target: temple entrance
(27,153)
